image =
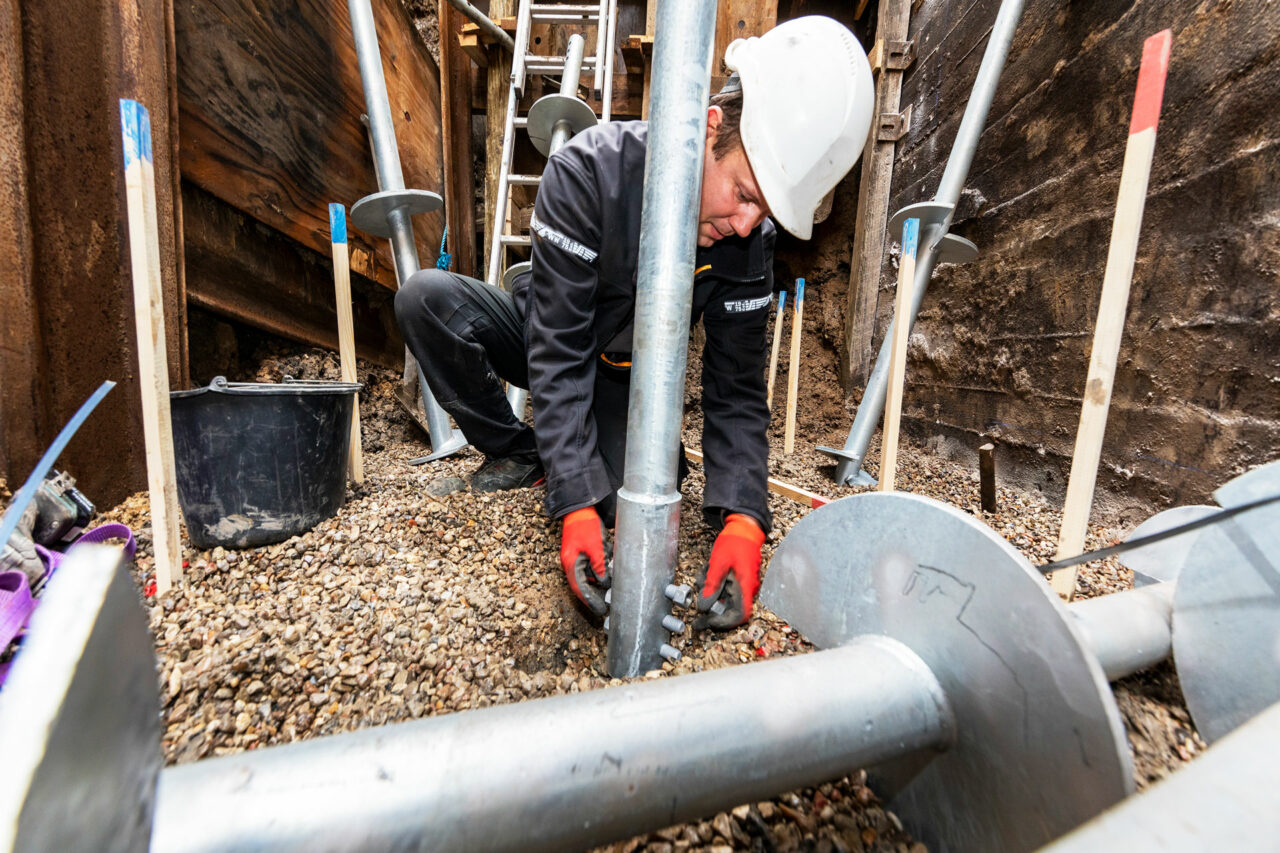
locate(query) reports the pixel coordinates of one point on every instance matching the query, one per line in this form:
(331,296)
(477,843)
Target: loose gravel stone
(410,604)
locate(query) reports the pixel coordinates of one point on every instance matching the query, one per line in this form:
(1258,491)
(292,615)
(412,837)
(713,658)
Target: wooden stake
(778,487)
(793,376)
(1112,304)
(153,362)
(898,354)
(346,330)
(777,344)
(987,476)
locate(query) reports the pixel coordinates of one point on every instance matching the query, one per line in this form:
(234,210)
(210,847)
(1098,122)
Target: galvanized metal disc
(954,249)
(79,716)
(928,212)
(1040,745)
(509,277)
(550,109)
(1226,611)
(370,213)
(1162,561)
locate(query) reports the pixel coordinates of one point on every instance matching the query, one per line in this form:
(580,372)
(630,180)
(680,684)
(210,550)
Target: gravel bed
(406,605)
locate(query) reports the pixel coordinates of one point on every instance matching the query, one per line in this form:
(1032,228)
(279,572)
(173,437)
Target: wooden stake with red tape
(1112,304)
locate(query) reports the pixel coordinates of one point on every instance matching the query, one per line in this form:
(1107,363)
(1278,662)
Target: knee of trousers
(432,291)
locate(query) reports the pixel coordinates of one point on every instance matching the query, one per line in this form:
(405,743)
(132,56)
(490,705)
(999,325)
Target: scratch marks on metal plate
(927,583)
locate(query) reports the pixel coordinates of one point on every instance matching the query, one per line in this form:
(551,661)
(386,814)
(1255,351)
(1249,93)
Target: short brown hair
(728,136)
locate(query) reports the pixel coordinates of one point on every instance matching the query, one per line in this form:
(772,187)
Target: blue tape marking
(144,130)
(910,237)
(799,291)
(28,491)
(782,301)
(135,127)
(337,223)
(129,131)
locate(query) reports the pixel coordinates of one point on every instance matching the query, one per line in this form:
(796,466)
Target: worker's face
(731,200)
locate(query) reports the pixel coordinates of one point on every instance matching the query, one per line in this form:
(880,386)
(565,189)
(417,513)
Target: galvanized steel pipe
(569,88)
(386,159)
(1128,631)
(649,501)
(871,409)
(569,772)
(485,23)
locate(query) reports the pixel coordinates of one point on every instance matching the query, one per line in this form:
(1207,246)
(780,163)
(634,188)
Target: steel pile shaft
(649,501)
(569,87)
(485,23)
(871,409)
(1128,631)
(568,772)
(386,159)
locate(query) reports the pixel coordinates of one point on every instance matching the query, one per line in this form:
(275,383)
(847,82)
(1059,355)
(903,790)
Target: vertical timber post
(649,501)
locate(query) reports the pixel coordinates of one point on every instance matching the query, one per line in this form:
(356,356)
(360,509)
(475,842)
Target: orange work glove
(732,574)
(582,549)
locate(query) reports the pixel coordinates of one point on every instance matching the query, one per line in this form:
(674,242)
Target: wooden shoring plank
(867,261)
(804,497)
(737,19)
(455,115)
(298,143)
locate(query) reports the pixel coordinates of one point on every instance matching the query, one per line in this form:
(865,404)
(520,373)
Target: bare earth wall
(1002,344)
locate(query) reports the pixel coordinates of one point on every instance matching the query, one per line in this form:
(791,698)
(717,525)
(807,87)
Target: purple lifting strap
(16,603)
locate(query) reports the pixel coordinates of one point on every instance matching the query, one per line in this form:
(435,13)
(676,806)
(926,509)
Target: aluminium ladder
(560,109)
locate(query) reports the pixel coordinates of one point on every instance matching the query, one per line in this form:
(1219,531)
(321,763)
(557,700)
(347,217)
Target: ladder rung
(535,64)
(516,240)
(563,8)
(551,17)
(521,121)
(524,180)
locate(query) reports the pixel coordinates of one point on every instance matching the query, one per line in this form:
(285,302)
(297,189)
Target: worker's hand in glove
(733,574)
(582,557)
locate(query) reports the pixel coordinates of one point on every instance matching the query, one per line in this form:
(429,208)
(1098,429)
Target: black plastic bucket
(258,463)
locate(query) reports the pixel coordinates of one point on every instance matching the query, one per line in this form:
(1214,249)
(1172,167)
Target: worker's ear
(715,115)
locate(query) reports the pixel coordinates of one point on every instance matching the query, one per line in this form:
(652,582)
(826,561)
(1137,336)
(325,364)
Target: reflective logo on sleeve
(739,306)
(561,241)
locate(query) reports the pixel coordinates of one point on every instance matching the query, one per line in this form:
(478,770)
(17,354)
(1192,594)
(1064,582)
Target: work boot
(508,472)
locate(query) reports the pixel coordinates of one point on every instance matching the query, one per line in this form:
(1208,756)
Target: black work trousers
(468,337)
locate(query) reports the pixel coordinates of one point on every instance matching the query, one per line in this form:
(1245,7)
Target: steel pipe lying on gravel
(567,772)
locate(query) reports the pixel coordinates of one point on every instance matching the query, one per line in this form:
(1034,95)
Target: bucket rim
(288,387)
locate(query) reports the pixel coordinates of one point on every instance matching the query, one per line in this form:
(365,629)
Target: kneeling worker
(790,123)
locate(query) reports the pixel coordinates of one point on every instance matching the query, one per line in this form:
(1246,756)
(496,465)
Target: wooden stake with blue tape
(898,354)
(793,375)
(153,364)
(346,330)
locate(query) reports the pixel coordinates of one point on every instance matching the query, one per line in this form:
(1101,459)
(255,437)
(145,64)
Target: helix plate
(1040,747)
(1162,561)
(370,214)
(550,109)
(1226,611)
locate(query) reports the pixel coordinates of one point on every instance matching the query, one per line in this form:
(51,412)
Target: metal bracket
(893,126)
(892,55)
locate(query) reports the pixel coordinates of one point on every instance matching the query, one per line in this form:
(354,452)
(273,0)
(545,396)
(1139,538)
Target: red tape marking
(1151,76)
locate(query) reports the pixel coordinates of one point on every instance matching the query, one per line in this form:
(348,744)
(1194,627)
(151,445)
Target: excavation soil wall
(1002,345)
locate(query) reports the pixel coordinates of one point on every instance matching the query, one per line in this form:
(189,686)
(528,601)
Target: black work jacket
(579,304)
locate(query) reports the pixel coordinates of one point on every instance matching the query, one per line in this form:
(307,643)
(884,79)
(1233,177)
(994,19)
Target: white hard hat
(807,100)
